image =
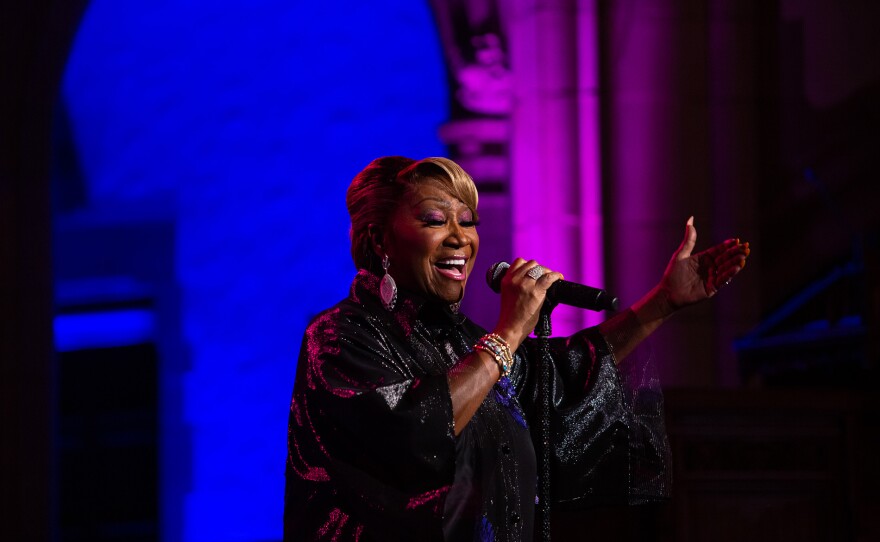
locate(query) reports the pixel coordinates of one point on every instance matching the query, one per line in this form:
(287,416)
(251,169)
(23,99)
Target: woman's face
(432,242)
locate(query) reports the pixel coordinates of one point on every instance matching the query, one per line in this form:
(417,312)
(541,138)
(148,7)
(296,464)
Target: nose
(457,237)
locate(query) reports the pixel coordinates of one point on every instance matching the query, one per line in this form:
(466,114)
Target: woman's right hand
(522,297)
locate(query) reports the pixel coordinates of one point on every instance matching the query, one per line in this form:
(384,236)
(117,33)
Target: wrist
(513,338)
(498,348)
(656,305)
(488,363)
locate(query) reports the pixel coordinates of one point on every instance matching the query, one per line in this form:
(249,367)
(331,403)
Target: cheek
(410,242)
(419,249)
(475,245)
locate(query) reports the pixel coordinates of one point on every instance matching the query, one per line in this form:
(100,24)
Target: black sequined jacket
(371,448)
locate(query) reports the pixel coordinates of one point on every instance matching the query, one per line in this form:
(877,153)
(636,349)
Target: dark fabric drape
(372,453)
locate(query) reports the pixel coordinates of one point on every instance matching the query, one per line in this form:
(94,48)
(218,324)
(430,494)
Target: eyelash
(463,223)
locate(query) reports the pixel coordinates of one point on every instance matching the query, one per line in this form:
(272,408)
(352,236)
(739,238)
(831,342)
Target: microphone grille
(495,273)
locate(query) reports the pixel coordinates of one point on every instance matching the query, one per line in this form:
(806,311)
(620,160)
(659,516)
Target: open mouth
(453,268)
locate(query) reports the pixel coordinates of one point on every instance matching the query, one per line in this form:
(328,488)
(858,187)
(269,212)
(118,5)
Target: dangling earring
(387,287)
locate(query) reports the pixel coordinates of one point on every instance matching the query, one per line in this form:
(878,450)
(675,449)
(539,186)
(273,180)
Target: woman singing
(410,422)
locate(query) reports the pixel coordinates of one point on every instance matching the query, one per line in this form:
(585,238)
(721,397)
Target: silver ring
(536,272)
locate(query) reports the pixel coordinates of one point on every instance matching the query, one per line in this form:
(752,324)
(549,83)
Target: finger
(515,264)
(731,258)
(748,251)
(736,251)
(722,281)
(547,279)
(726,274)
(734,256)
(527,266)
(522,270)
(535,273)
(689,241)
(716,251)
(733,252)
(508,275)
(516,269)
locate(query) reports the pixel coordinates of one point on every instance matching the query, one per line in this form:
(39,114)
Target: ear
(377,240)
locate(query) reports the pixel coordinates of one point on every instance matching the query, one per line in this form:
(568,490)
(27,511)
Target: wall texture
(241,126)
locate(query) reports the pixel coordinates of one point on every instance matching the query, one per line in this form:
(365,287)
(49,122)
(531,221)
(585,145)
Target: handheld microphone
(561,291)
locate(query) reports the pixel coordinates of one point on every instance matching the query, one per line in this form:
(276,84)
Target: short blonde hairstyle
(376,191)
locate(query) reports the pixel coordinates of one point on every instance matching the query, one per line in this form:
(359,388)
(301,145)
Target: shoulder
(348,346)
(346,322)
(343,312)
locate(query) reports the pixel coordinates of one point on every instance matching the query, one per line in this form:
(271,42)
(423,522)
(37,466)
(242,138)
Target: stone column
(478,131)
(555,171)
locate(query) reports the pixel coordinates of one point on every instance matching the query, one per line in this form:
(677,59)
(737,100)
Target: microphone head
(495,274)
(613,304)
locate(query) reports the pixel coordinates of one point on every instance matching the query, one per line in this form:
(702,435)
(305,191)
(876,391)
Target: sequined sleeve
(369,438)
(607,427)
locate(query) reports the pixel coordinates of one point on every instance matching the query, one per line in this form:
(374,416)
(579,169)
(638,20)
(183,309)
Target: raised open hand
(690,278)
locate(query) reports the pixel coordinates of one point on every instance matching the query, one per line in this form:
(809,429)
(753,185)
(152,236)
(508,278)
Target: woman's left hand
(690,278)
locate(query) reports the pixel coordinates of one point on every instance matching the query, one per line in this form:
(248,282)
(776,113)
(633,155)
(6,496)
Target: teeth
(452,261)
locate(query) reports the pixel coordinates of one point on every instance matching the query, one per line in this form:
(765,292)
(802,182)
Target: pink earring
(387,287)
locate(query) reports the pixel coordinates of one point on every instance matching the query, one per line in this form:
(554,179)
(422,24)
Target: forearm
(625,330)
(469,382)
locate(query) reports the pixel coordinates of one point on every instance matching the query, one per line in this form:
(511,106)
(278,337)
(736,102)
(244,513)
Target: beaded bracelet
(495,345)
(505,346)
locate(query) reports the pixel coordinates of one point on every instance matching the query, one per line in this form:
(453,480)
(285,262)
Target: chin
(449,297)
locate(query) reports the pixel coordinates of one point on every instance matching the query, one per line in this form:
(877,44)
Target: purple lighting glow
(556,182)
